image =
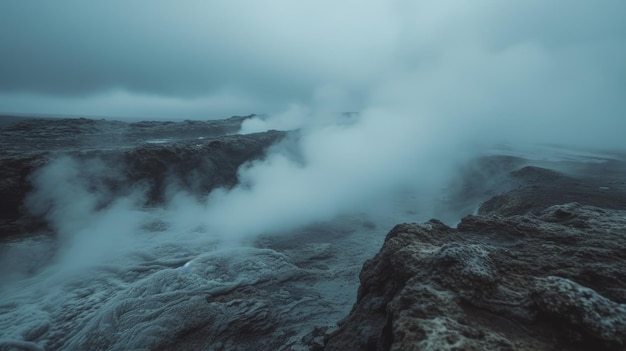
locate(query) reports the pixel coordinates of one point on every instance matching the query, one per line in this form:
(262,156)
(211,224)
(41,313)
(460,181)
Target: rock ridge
(540,276)
(114,157)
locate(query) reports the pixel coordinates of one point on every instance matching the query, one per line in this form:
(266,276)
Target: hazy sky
(210,59)
(435,82)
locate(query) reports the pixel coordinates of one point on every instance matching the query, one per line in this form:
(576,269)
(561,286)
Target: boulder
(540,267)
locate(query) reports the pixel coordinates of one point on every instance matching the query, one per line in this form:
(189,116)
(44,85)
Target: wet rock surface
(540,267)
(161,288)
(169,295)
(195,156)
(37,135)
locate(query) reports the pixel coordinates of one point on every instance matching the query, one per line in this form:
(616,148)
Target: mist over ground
(431,85)
(384,101)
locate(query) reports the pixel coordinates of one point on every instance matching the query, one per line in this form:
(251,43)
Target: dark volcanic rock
(196,166)
(247,299)
(532,271)
(515,283)
(37,135)
(114,157)
(539,188)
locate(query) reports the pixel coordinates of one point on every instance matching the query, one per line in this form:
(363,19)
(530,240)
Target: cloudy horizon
(197,60)
(190,59)
(130,235)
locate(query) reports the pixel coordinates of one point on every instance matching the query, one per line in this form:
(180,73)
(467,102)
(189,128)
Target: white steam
(441,83)
(387,97)
(467,77)
(90,225)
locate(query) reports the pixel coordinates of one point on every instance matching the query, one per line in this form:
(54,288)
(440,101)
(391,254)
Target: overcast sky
(212,59)
(436,82)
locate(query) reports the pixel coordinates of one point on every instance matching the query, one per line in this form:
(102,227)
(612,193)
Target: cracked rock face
(551,281)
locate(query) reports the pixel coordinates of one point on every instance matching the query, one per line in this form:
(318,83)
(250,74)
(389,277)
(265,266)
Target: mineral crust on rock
(535,276)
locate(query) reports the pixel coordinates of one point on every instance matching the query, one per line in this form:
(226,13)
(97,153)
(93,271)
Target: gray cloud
(276,51)
(196,59)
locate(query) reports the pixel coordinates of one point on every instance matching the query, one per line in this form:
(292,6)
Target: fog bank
(192,59)
(431,85)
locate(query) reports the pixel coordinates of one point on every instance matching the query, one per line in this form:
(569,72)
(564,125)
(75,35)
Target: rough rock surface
(540,267)
(195,156)
(284,293)
(163,288)
(35,135)
(532,271)
(602,185)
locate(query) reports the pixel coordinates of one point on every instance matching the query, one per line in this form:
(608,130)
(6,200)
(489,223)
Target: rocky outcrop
(195,156)
(539,188)
(532,271)
(37,135)
(195,166)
